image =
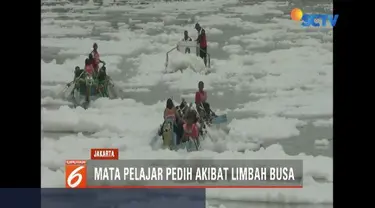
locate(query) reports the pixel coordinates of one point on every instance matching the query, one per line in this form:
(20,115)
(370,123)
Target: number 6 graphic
(73,175)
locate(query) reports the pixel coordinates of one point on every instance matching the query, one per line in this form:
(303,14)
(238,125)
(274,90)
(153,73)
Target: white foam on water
(302,103)
(63,73)
(258,9)
(312,192)
(260,128)
(232,49)
(323,123)
(322,142)
(52,101)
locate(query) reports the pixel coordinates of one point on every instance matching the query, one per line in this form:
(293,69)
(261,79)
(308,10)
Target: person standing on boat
(185,39)
(202,41)
(96,56)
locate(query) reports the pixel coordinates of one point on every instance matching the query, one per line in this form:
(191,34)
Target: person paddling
(190,127)
(170,111)
(88,67)
(201,101)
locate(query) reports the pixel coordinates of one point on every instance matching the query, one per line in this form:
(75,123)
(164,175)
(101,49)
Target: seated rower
(102,74)
(88,67)
(170,113)
(182,108)
(190,127)
(101,81)
(194,115)
(89,73)
(203,107)
(80,75)
(78,72)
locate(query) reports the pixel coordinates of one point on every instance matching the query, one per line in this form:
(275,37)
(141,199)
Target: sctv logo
(310,19)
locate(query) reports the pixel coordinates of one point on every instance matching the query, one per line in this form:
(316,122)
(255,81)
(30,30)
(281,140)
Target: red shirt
(89,69)
(200,96)
(203,39)
(170,114)
(191,131)
(96,56)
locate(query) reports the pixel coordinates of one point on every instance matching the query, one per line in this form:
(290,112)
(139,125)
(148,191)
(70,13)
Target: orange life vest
(89,69)
(170,114)
(189,132)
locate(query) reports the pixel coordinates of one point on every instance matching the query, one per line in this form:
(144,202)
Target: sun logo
(296,14)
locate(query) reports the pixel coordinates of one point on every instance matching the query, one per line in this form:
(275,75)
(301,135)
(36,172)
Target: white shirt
(189,39)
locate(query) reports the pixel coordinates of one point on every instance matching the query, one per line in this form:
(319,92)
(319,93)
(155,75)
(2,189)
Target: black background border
(23,150)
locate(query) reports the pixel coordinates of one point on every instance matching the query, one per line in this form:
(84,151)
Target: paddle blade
(220,119)
(69,90)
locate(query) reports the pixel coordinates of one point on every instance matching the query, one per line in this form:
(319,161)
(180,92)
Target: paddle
(220,119)
(217,119)
(110,88)
(64,89)
(195,143)
(72,85)
(113,89)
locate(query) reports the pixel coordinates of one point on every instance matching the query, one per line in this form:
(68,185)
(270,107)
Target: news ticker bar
(113,173)
(192,187)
